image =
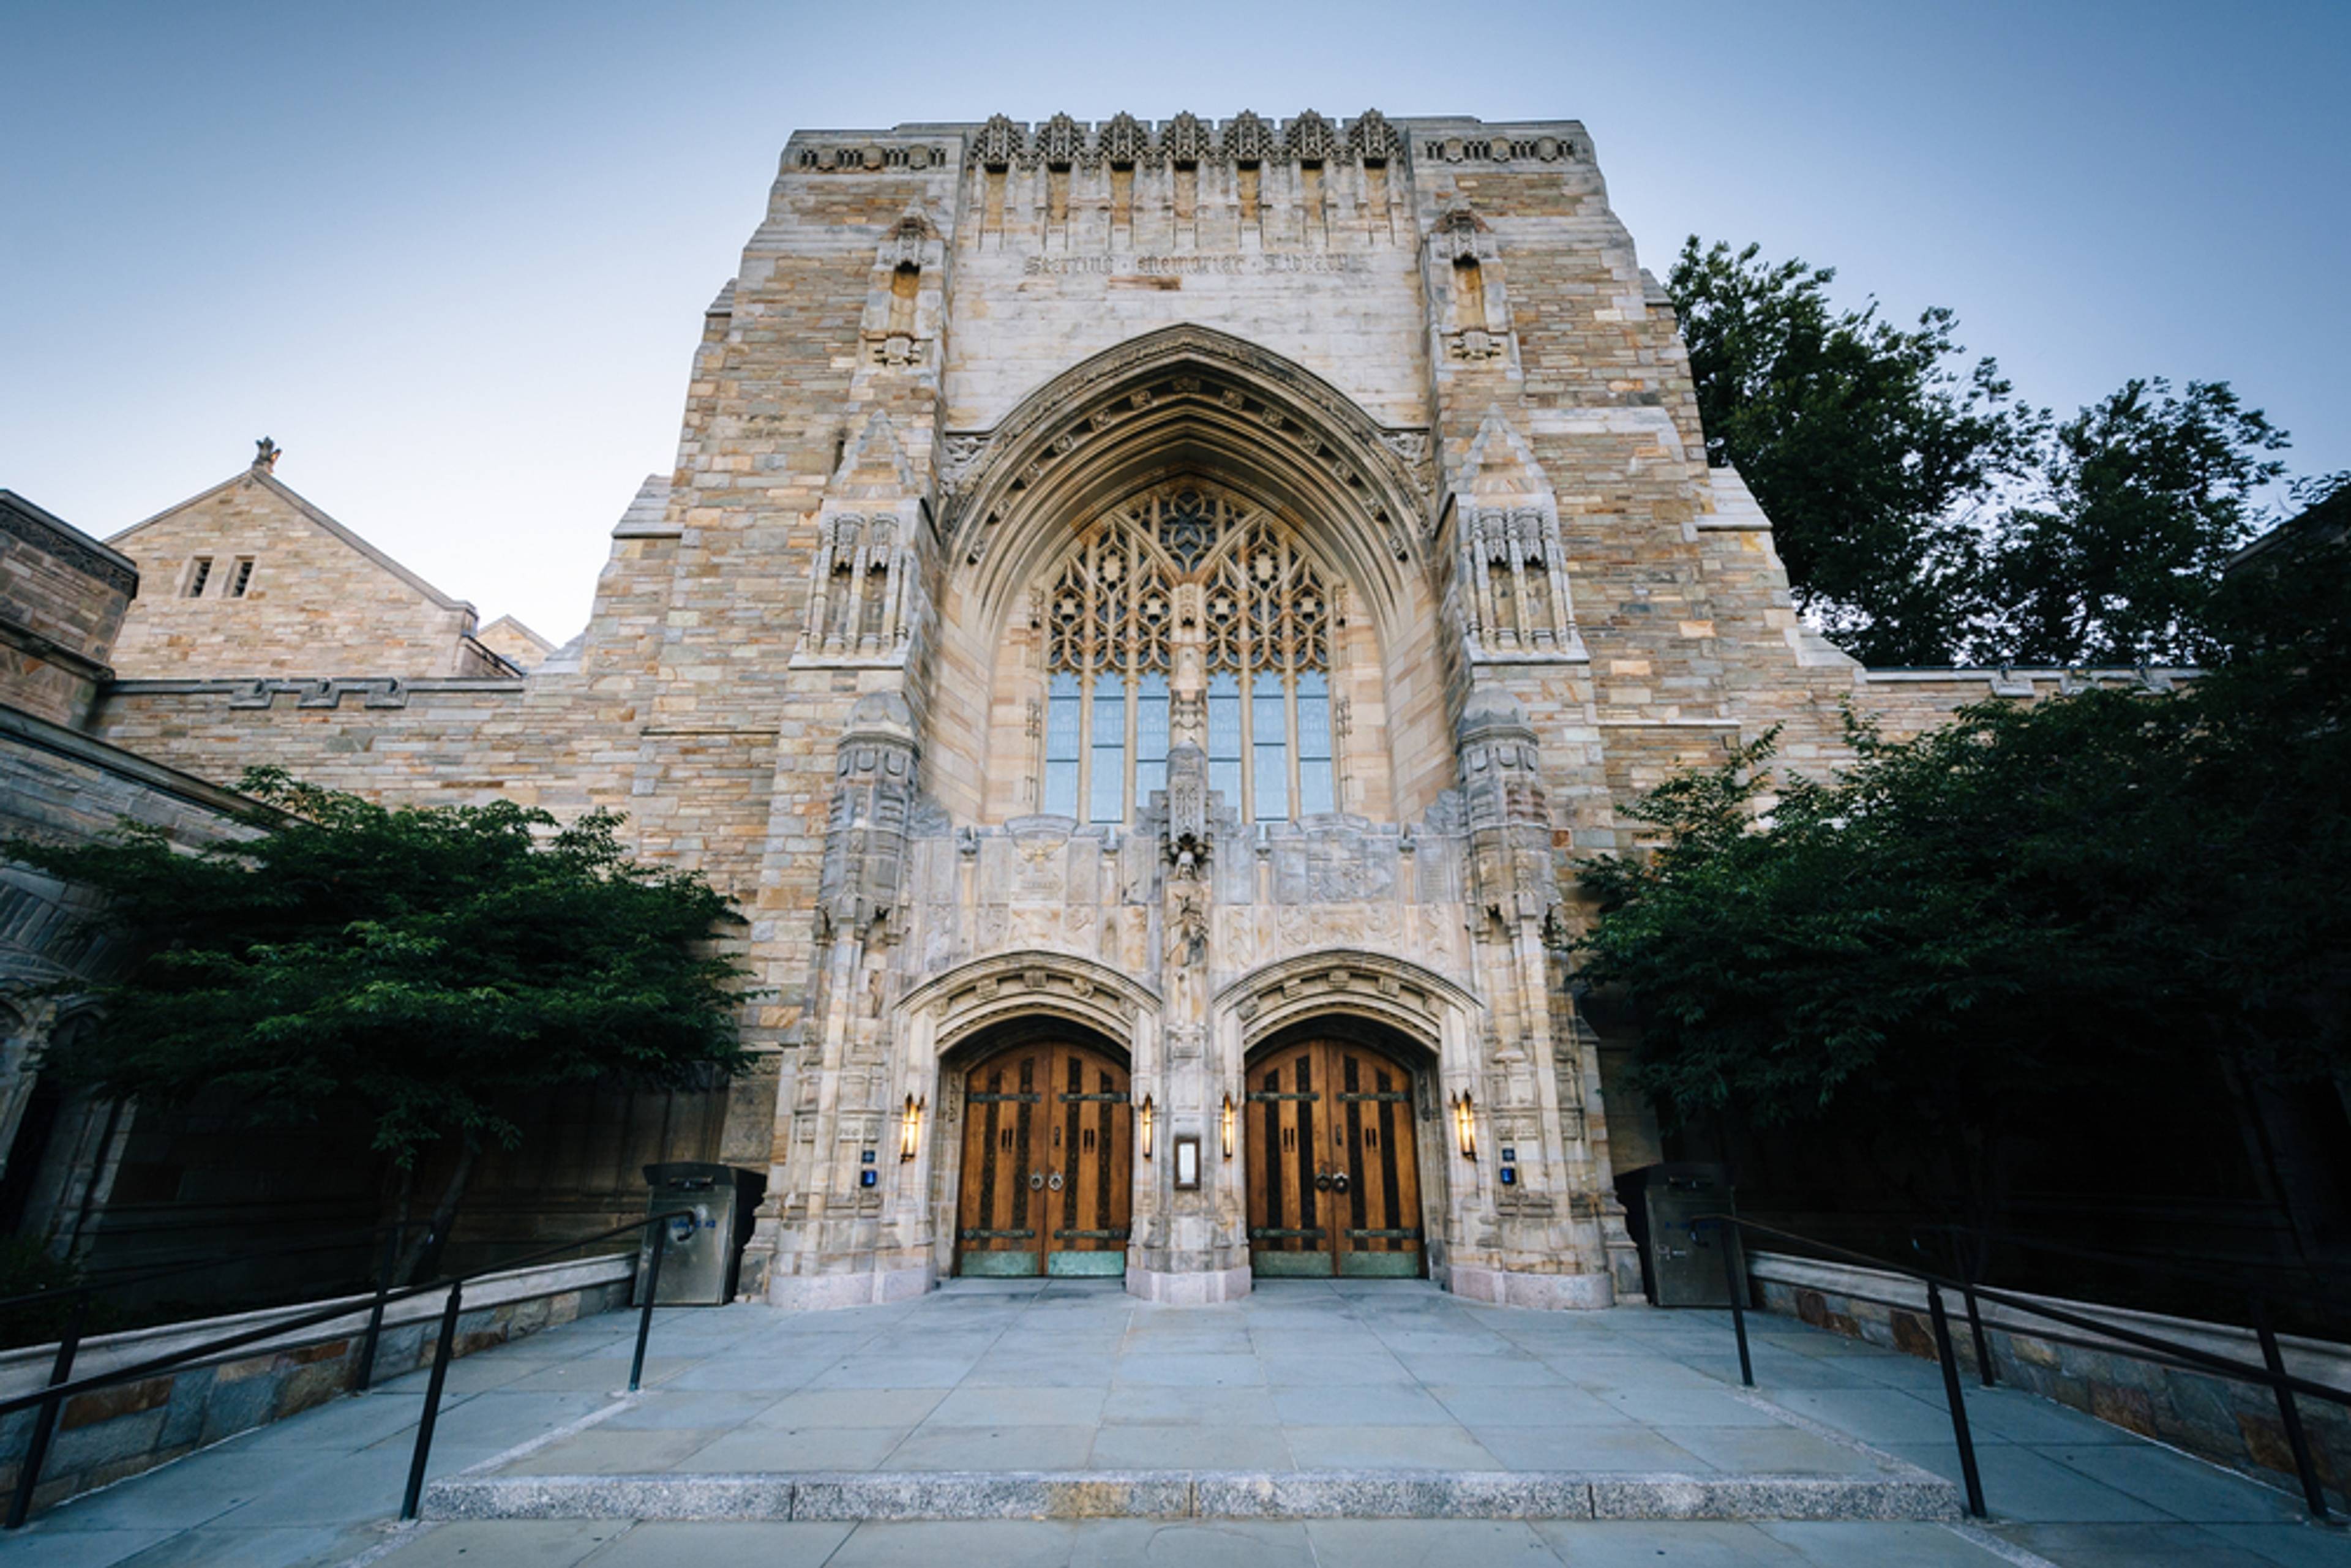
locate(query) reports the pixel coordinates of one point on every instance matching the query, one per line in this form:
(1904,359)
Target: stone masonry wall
(2228,1422)
(62,598)
(318,601)
(120,1430)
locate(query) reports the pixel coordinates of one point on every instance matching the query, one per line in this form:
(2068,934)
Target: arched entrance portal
(1333,1162)
(1047,1178)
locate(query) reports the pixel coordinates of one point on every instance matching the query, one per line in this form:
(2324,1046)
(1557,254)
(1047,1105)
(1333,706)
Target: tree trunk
(421,1249)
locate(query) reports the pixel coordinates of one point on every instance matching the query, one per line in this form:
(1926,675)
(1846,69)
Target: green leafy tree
(2033,902)
(435,967)
(2146,495)
(1876,451)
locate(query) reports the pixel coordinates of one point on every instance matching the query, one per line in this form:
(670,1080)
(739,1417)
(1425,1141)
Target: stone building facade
(1143,619)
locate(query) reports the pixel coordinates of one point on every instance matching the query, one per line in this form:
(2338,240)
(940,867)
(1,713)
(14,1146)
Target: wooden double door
(1334,1168)
(1048,1173)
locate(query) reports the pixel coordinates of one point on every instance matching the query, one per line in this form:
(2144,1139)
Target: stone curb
(1906,1494)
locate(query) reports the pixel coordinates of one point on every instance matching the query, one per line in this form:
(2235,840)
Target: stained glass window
(1263,636)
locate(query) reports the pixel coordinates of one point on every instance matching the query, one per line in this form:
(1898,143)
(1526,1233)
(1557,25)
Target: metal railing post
(2288,1415)
(432,1403)
(45,1418)
(384,1266)
(1984,1368)
(1950,1361)
(1730,1274)
(645,1308)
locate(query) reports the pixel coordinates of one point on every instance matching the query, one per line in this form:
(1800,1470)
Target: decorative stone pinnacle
(266,453)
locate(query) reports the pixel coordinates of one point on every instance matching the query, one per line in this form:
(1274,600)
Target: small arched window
(1264,639)
(1468,295)
(904,284)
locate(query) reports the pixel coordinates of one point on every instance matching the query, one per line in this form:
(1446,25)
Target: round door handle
(1036,1181)
(1323,1181)
(1054,1181)
(1339,1182)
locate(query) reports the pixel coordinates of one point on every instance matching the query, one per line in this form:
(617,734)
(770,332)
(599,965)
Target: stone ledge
(1543,1293)
(1900,1493)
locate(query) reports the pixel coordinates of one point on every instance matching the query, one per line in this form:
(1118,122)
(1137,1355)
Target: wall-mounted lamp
(910,1129)
(1143,1122)
(1227,1126)
(1465,1124)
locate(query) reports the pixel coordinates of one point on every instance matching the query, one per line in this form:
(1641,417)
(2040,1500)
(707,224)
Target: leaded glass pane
(1272,782)
(1224,719)
(1062,720)
(1061,789)
(1314,787)
(1150,737)
(1267,722)
(1106,780)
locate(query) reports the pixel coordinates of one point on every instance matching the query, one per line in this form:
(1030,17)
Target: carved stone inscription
(1231,262)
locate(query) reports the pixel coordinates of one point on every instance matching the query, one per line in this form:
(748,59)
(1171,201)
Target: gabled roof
(286,493)
(508,624)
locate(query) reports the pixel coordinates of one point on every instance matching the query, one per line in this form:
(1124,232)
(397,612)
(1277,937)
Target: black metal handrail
(2271,1374)
(50,1399)
(2223,1272)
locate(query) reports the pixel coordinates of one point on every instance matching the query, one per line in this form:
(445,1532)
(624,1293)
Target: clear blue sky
(454,258)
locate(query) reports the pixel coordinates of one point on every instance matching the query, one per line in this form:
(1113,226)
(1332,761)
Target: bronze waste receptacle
(1681,1256)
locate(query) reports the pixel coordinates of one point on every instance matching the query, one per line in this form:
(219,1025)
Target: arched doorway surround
(1048,1178)
(1392,1017)
(986,1011)
(1333,1156)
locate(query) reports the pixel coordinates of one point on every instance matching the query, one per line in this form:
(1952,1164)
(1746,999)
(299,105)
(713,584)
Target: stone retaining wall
(2228,1422)
(109,1433)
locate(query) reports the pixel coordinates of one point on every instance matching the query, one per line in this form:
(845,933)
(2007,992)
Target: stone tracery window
(1114,637)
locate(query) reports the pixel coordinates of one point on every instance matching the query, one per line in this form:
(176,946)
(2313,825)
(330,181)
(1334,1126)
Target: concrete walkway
(1409,1392)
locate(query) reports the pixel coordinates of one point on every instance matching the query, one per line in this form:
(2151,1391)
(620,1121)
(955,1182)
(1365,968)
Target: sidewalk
(1400,1391)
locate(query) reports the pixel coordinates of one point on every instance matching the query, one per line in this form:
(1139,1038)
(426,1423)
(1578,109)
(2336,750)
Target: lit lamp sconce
(910,1129)
(1227,1126)
(1144,1131)
(1465,1124)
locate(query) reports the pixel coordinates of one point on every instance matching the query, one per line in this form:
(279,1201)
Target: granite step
(1899,1492)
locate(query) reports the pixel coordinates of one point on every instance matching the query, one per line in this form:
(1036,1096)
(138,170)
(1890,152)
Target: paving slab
(1362,1408)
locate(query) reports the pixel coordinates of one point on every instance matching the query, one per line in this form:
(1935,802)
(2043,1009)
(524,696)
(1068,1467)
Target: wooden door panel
(1091,1205)
(996,1233)
(1047,1178)
(1289,1233)
(1333,1184)
(1382,1232)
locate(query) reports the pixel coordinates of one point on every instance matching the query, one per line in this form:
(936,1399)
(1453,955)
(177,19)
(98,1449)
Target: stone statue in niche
(1187,958)
(1188,809)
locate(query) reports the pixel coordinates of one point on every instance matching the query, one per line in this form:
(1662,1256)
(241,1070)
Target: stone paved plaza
(1386,1382)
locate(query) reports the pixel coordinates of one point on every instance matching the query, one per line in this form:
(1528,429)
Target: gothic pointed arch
(1189,396)
(1411,998)
(1029,982)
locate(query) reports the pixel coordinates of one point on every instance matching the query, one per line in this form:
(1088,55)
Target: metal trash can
(1681,1266)
(700,1260)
